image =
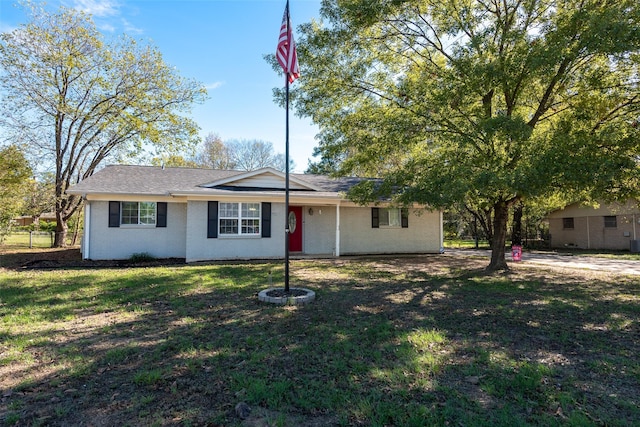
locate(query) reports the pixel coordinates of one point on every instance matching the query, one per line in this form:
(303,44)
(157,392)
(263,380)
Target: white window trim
(139,224)
(386,211)
(239,218)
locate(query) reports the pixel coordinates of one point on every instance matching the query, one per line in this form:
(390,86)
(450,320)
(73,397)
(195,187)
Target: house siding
(186,234)
(589,231)
(319,233)
(201,248)
(124,241)
(358,237)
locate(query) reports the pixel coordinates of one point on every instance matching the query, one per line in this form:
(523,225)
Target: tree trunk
(76,229)
(516,226)
(500,220)
(60,240)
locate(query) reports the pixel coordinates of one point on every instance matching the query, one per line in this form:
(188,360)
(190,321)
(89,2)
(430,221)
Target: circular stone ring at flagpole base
(295,296)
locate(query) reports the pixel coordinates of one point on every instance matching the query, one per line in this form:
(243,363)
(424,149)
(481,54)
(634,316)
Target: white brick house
(204,214)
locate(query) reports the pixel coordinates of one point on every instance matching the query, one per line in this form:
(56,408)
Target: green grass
(598,253)
(601,253)
(465,244)
(412,342)
(21,239)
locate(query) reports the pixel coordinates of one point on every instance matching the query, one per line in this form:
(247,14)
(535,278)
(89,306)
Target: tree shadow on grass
(407,342)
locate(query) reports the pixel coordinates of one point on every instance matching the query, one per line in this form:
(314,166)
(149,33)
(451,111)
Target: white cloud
(99,8)
(214,85)
(131,29)
(108,28)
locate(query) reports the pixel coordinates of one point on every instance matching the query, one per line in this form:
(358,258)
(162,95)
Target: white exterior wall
(200,248)
(319,233)
(122,242)
(186,234)
(358,237)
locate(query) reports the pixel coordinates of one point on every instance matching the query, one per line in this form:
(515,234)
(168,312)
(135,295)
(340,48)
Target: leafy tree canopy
(40,197)
(15,173)
(77,99)
(483,103)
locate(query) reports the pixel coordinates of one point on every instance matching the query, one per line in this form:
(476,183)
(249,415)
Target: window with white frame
(390,217)
(239,219)
(138,213)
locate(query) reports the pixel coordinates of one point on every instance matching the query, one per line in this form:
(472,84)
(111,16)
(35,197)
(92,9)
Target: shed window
(610,221)
(567,223)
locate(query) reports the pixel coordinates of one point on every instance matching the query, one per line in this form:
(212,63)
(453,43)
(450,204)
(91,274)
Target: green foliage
(148,377)
(476,104)
(141,257)
(83,99)
(174,161)
(40,198)
(14,183)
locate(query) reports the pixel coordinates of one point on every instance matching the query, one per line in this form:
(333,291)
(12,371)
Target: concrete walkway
(619,266)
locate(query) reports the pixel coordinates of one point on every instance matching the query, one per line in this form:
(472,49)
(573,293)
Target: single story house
(24,220)
(613,226)
(205,214)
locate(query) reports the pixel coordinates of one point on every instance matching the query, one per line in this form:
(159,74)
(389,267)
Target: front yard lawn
(413,341)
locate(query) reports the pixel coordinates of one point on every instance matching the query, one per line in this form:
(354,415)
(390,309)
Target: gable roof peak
(265,178)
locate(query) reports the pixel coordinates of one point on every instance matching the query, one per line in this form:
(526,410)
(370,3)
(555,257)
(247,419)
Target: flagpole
(286,192)
(288,60)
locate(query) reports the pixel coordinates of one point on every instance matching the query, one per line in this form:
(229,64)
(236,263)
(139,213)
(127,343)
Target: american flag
(286,50)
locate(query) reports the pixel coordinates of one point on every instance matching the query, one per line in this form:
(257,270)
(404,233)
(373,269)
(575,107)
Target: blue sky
(220,43)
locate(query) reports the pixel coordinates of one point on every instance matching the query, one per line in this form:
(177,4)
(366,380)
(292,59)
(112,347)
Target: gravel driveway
(619,266)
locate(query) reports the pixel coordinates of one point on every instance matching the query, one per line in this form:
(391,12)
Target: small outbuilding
(608,226)
(205,214)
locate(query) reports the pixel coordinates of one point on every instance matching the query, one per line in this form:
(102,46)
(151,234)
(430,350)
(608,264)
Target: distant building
(28,219)
(613,226)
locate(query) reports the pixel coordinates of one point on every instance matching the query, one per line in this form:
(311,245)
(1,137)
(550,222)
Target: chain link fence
(37,239)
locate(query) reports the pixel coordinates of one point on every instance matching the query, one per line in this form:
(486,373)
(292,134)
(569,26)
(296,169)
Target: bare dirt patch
(21,259)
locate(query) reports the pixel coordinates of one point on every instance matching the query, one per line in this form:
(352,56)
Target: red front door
(295,236)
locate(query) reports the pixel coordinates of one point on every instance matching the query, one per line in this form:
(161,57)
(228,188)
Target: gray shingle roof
(152,180)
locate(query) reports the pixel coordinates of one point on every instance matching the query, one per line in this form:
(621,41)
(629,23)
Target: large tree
(479,103)
(40,197)
(214,153)
(78,99)
(254,154)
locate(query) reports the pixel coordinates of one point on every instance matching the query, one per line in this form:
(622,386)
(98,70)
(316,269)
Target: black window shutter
(161,214)
(114,214)
(266,219)
(404,218)
(212,220)
(375,217)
